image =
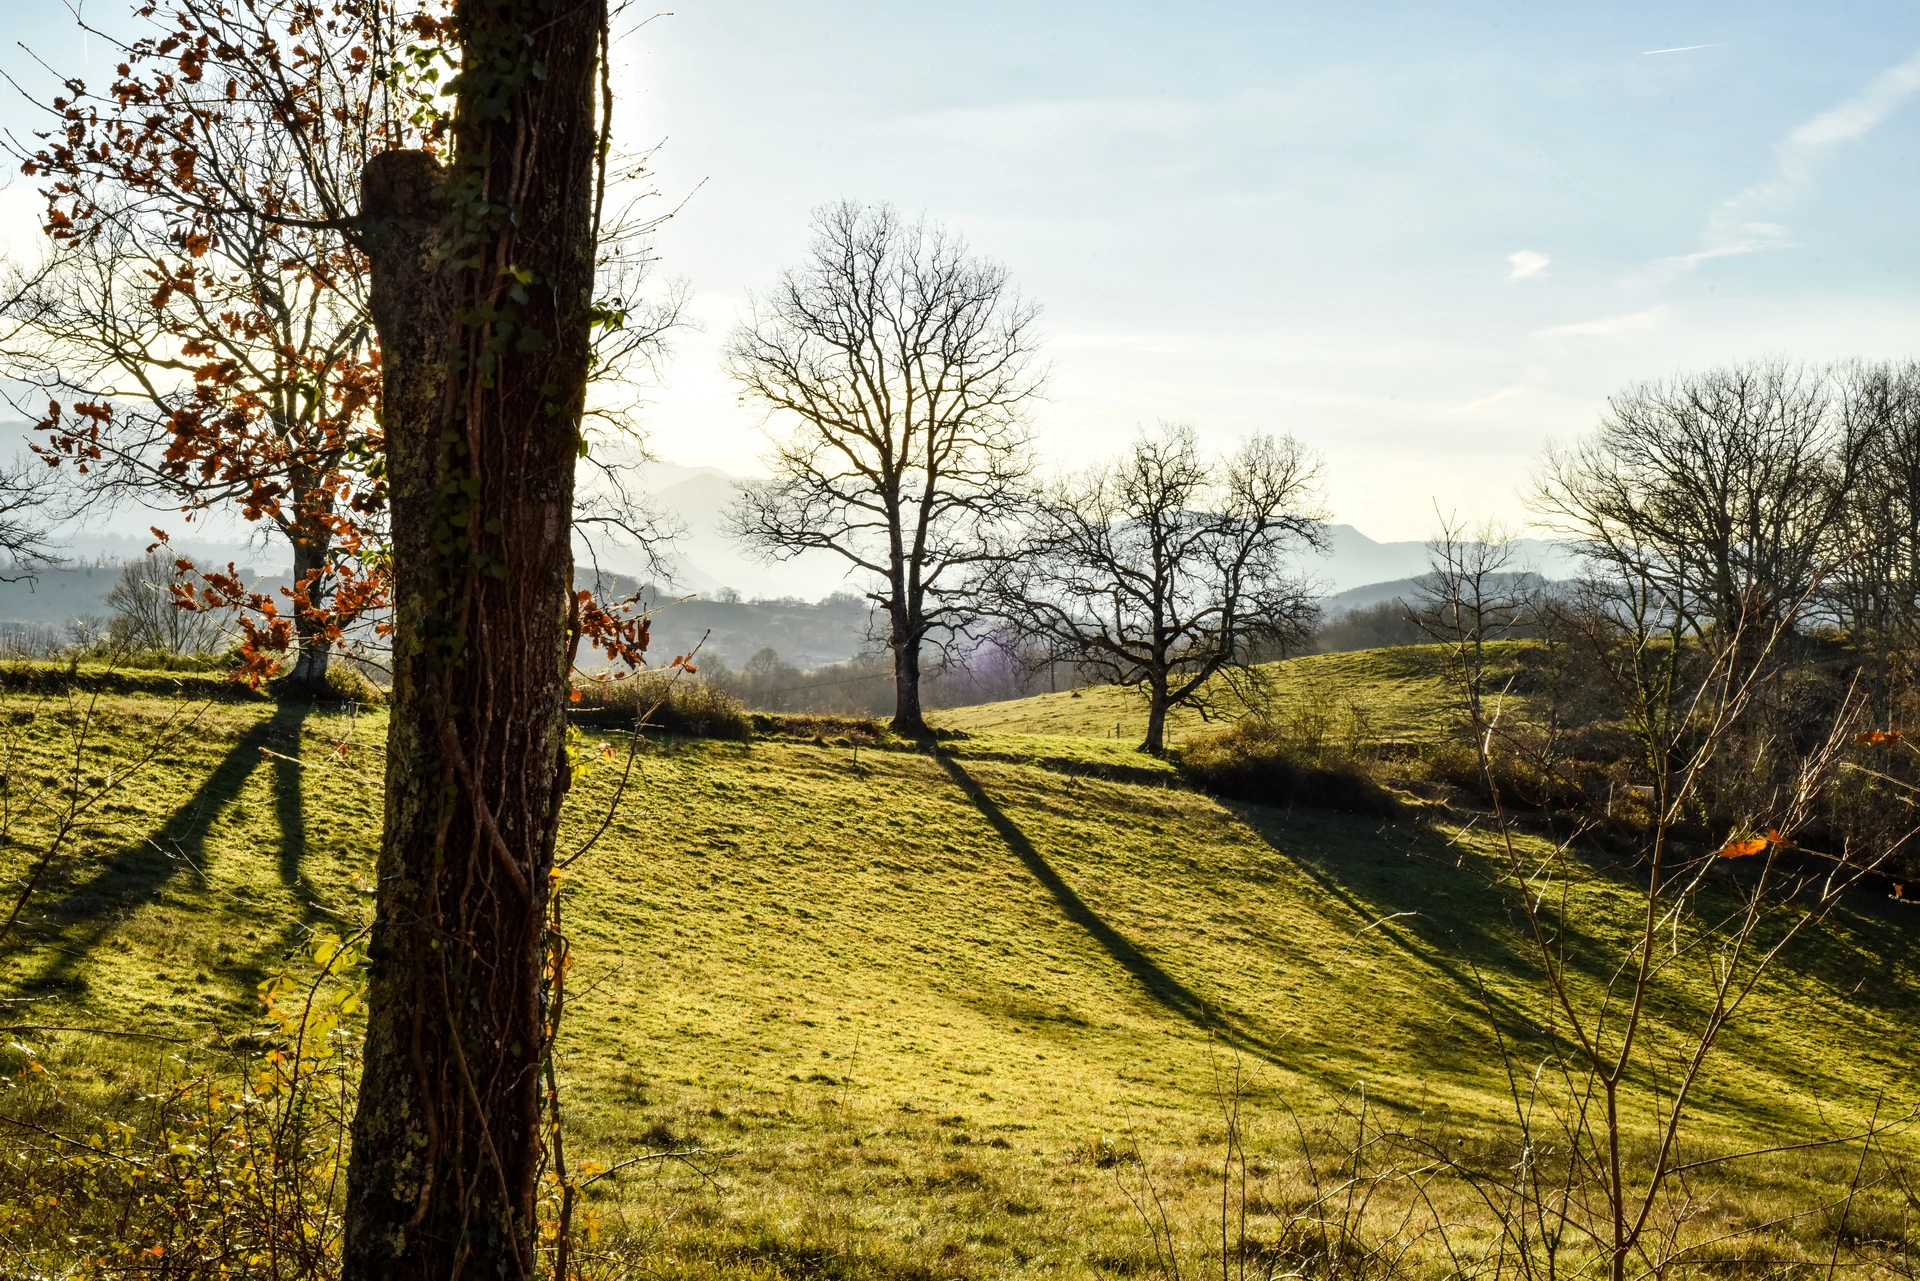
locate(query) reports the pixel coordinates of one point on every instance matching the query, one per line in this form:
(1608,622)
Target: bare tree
(146,614)
(904,366)
(1715,489)
(1166,568)
(26,490)
(26,502)
(1872,588)
(1475,590)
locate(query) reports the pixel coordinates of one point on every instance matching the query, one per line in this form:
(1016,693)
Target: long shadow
(1450,923)
(1175,996)
(289,809)
(86,915)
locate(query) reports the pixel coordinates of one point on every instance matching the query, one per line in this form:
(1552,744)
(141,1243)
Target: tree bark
(313,649)
(485,339)
(1156,740)
(907,719)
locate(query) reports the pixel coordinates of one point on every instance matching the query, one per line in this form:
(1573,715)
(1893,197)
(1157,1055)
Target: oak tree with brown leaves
(199,338)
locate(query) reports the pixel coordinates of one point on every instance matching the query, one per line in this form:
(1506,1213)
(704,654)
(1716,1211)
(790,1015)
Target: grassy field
(1399,693)
(918,1010)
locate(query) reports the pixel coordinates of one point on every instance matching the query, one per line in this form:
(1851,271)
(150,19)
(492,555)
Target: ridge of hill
(918,1006)
(1400,694)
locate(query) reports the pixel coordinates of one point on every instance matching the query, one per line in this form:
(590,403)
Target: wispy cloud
(1750,221)
(1682,48)
(1605,328)
(1488,401)
(1525,264)
(1308,110)
(1055,122)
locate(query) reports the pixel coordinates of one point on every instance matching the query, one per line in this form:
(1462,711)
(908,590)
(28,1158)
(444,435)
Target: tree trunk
(1156,740)
(907,720)
(313,649)
(485,350)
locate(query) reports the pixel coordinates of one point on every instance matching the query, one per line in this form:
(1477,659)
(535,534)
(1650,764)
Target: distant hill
(1356,571)
(807,634)
(1355,564)
(1368,595)
(59,597)
(707,559)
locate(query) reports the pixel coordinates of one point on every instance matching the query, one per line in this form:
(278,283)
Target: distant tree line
(864,684)
(1750,540)
(1763,494)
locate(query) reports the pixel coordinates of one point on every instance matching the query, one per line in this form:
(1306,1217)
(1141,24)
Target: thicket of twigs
(661,701)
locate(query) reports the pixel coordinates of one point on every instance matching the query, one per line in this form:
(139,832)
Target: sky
(1426,240)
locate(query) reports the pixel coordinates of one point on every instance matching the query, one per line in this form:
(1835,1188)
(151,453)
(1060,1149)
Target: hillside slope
(911,1003)
(1400,693)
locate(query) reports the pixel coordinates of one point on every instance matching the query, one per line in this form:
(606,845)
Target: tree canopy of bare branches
(1717,490)
(145,616)
(1166,567)
(1873,588)
(902,368)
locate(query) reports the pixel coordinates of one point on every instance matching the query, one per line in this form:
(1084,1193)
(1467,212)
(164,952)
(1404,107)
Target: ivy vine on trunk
(482,291)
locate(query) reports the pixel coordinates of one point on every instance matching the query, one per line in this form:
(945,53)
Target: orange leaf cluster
(1746,847)
(346,595)
(619,630)
(249,281)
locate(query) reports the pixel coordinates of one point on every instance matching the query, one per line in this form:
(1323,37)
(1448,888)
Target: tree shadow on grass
(78,922)
(1419,893)
(1173,995)
(289,809)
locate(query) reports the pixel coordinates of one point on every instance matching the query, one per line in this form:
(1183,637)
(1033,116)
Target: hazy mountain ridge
(811,609)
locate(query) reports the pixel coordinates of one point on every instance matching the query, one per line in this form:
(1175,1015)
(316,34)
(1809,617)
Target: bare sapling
(1606,1081)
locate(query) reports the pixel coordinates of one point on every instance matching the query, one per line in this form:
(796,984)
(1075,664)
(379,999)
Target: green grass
(1401,693)
(906,1000)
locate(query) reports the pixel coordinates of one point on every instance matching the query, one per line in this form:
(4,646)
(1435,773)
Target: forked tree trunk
(485,367)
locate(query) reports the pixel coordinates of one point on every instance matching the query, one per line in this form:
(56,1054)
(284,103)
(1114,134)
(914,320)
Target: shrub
(352,685)
(849,729)
(1587,770)
(1265,760)
(670,702)
(218,1173)
(342,683)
